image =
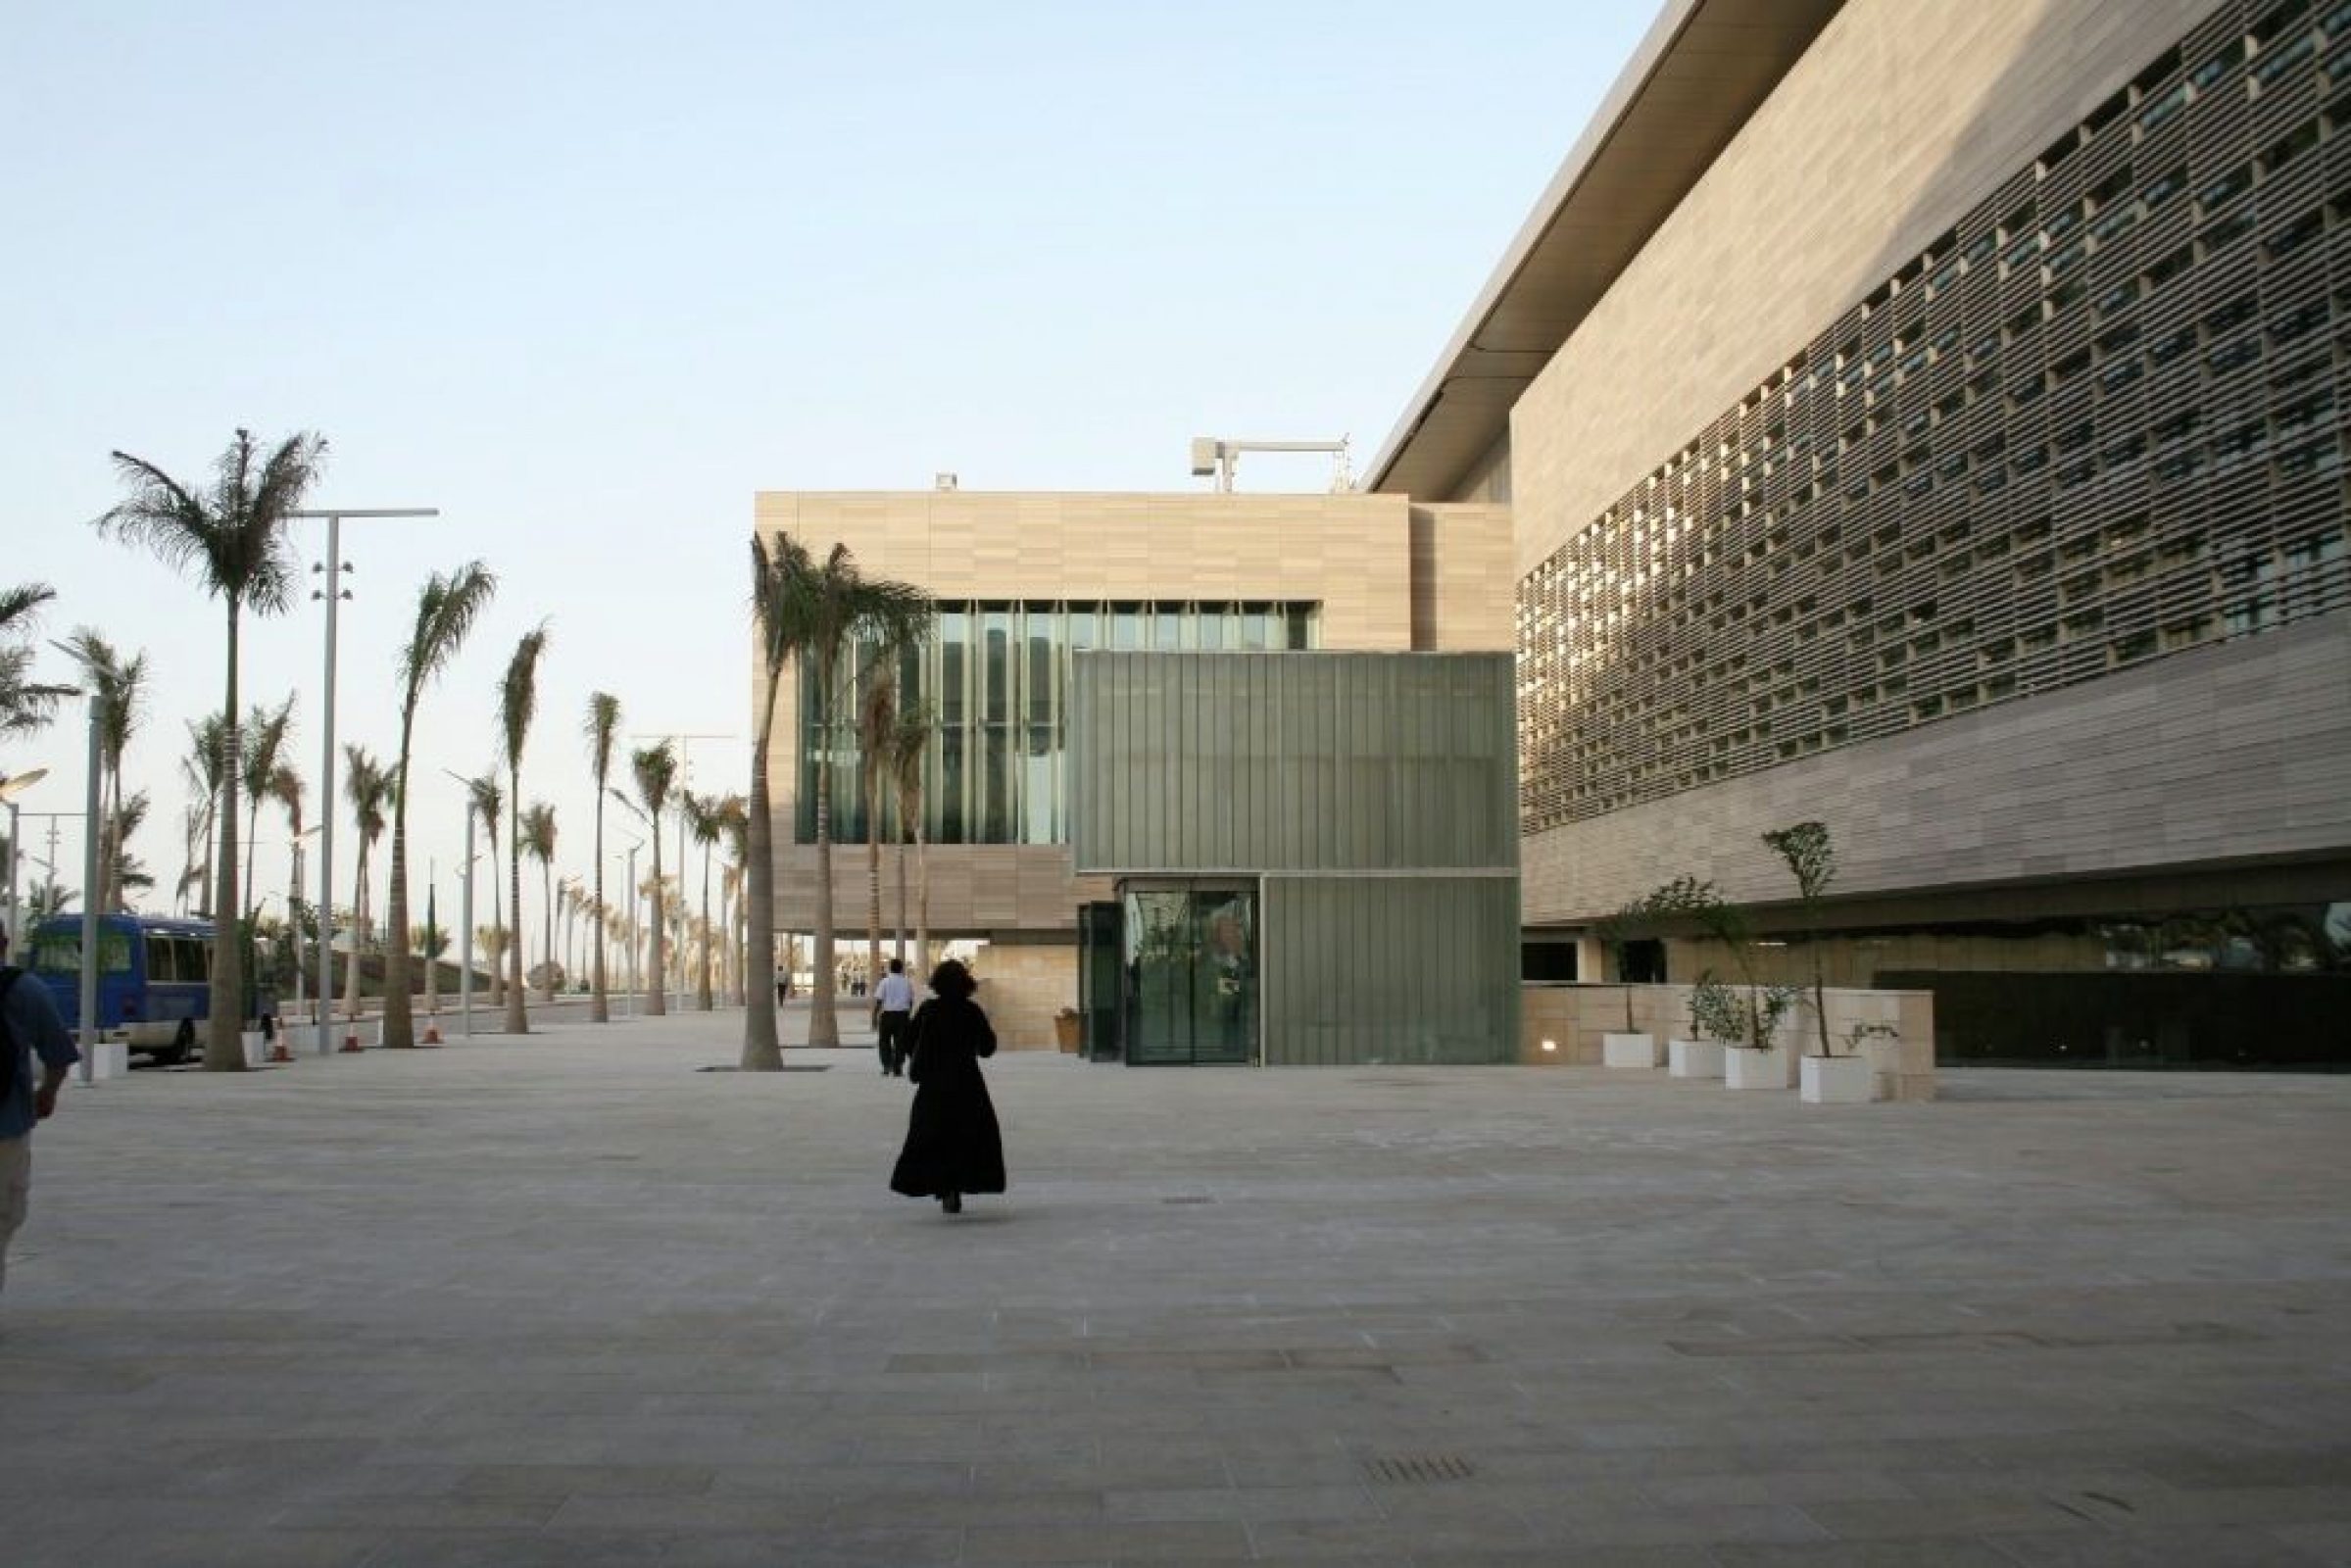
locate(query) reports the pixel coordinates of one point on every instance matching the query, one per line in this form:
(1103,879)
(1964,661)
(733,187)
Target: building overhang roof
(1699,72)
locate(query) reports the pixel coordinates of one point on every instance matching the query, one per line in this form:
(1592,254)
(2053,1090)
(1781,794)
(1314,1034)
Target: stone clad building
(1928,417)
(1921,415)
(1023,583)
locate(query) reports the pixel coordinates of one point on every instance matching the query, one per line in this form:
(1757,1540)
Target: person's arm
(983,1035)
(44,1099)
(33,1012)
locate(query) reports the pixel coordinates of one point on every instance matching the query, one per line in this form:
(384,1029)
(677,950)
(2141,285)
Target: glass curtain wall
(998,677)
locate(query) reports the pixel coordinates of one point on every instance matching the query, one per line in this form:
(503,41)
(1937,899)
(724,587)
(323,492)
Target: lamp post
(12,786)
(334,592)
(464,973)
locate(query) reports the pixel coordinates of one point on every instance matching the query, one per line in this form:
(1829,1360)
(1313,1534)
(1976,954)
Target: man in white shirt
(893,1006)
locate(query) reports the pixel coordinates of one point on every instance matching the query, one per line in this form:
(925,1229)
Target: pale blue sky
(587,275)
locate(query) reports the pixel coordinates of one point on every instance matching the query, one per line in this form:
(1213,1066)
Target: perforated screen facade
(2098,421)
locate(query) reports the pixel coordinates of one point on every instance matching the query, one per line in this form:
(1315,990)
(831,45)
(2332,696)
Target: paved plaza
(571,1300)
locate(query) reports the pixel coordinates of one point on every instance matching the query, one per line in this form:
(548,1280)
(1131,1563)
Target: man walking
(28,1025)
(893,1006)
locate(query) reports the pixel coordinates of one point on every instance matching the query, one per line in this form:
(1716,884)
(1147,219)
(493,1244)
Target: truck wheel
(181,1044)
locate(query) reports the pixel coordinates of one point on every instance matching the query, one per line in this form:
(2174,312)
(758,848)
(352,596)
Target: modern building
(1025,583)
(1927,417)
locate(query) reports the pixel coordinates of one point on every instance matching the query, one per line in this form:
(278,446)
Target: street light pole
(334,592)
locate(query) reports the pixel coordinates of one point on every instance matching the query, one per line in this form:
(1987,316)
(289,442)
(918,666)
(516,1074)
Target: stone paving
(568,1301)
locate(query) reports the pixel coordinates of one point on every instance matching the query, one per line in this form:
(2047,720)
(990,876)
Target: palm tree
(518,702)
(776,615)
(601,725)
(234,538)
(701,821)
(27,705)
(818,613)
(487,798)
(654,769)
(909,748)
(120,687)
(446,608)
(537,834)
(267,732)
(367,787)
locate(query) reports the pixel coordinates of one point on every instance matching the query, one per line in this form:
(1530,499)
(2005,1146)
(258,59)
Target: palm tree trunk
(763,1051)
(922,896)
(599,1008)
(702,1001)
(204,882)
(497,924)
(901,934)
(359,923)
(657,1000)
(824,1021)
(110,867)
(517,1020)
(399,1018)
(224,1050)
(873,879)
(547,902)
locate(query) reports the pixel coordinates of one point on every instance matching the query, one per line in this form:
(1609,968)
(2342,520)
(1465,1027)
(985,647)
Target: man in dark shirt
(28,1026)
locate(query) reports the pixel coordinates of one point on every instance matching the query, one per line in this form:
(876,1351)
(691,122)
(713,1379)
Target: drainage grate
(1189,1198)
(789,1066)
(1412,1468)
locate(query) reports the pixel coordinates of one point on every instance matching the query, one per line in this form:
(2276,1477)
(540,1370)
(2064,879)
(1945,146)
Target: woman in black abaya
(953,1146)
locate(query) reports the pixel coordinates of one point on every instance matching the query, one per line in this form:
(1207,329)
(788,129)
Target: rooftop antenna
(1218,456)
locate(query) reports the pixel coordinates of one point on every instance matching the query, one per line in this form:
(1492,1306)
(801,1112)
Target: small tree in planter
(1744,1013)
(1811,858)
(1681,896)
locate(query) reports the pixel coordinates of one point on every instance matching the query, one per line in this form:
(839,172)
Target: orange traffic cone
(433,1033)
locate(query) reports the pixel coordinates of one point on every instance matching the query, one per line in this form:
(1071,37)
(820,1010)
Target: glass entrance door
(1191,989)
(1100,962)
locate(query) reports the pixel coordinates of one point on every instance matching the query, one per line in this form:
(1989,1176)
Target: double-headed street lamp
(334,592)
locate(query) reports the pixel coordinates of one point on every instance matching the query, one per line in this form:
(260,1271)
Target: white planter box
(1775,1068)
(1695,1059)
(1629,1051)
(109,1059)
(1839,1081)
(257,1048)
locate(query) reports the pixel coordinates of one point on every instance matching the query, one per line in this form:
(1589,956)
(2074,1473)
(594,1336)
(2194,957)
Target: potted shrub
(1634,1046)
(1745,1018)
(1847,1080)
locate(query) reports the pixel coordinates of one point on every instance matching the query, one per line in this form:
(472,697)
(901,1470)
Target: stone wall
(1023,985)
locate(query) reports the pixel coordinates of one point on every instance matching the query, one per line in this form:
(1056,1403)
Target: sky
(586,276)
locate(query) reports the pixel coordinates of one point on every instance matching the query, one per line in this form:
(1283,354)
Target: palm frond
(602,723)
(447,607)
(519,693)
